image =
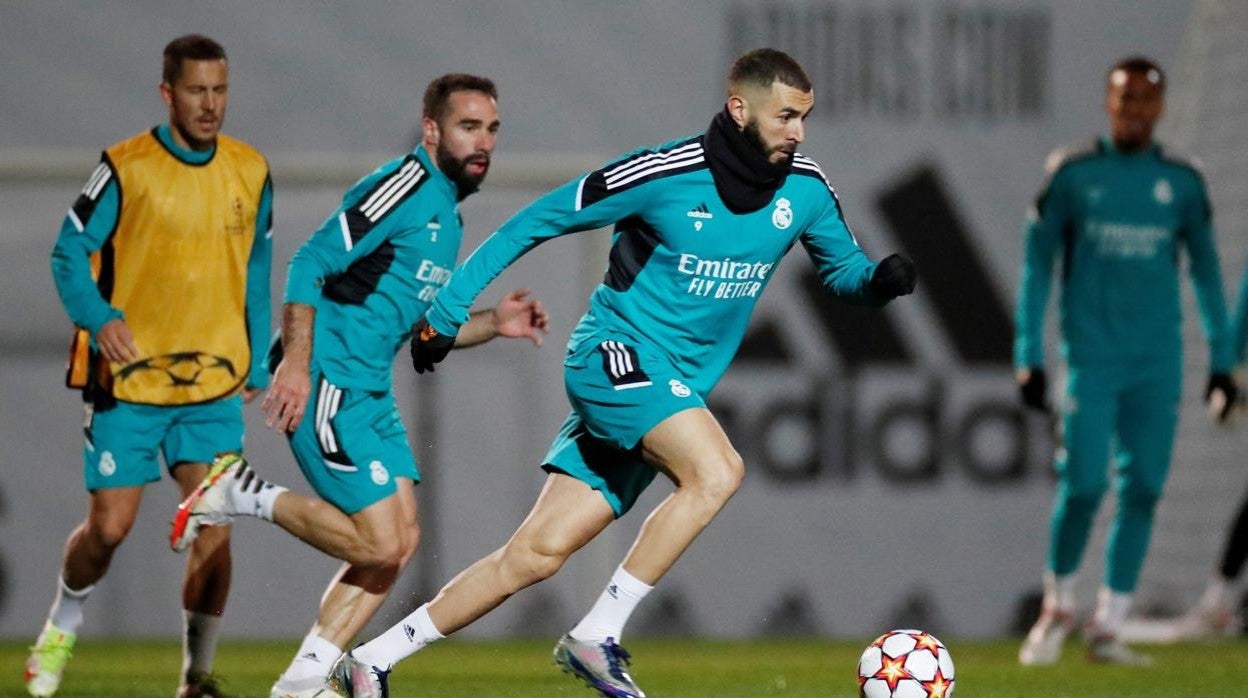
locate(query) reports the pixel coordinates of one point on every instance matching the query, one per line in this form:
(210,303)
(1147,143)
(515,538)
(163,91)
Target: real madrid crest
(679,389)
(236,224)
(1162,193)
(782,216)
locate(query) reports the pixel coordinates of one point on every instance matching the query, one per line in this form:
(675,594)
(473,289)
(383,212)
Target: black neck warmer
(744,178)
(463,190)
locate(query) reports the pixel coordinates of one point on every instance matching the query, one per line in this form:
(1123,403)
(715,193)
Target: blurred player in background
(700,224)
(1116,214)
(353,292)
(163,265)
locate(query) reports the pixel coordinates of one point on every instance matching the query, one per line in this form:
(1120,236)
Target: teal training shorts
(122,441)
(620,389)
(351,445)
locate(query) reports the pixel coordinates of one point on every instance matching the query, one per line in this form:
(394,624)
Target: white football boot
(1044,642)
(206,505)
(1109,649)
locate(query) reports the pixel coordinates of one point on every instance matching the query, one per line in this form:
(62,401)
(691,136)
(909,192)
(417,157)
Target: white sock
(199,641)
(313,660)
(248,495)
(1218,594)
(402,640)
(1059,591)
(66,612)
(612,609)
(1111,611)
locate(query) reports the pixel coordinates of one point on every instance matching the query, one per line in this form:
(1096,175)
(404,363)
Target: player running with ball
(700,224)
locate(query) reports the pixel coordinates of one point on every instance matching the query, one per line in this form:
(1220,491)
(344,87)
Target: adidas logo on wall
(883,396)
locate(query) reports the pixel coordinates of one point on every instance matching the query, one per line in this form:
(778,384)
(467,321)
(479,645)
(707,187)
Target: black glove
(428,346)
(1224,383)
(1034,390)
(894,276)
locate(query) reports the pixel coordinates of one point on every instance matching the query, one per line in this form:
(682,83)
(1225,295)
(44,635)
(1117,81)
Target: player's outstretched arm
(844,269)
(516,316)
(582,204)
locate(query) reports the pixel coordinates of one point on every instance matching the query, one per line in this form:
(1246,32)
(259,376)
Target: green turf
(676,668)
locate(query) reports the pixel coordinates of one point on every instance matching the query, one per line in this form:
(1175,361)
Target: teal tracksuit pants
(1128,411)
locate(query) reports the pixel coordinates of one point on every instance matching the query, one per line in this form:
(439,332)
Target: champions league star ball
(905,664)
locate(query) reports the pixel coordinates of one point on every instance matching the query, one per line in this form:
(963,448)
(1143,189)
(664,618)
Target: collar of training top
(744,177)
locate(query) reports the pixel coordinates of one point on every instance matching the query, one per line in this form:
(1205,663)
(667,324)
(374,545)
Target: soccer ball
(905,664)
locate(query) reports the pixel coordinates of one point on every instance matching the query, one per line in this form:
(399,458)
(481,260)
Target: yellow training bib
(178,266)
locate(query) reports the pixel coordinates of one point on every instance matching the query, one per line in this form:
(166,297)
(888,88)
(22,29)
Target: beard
(196,143)
(755,138)
(456,170)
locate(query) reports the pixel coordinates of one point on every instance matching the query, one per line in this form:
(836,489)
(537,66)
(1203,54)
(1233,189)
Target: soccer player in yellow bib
(162,263)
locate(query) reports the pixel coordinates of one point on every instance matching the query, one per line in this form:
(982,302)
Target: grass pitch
(675,668)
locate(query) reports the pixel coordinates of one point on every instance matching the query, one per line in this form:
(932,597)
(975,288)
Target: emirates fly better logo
(723,278)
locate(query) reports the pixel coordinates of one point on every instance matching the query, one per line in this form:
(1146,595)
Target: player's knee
(109,531)
(1081,504)
(383,551)
(392,552)
(411,541)
(720,478)
(1083,493)
(529,564)
(541,566)
(1140,497)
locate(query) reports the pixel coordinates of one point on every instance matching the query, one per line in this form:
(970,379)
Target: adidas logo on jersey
(700,212)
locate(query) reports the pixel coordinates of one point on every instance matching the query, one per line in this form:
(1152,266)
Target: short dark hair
(1140,65)
(438,93)
(195,47)
(763,66)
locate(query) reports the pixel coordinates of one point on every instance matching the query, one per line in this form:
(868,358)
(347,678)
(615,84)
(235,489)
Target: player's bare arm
(516,316)
(285,402)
